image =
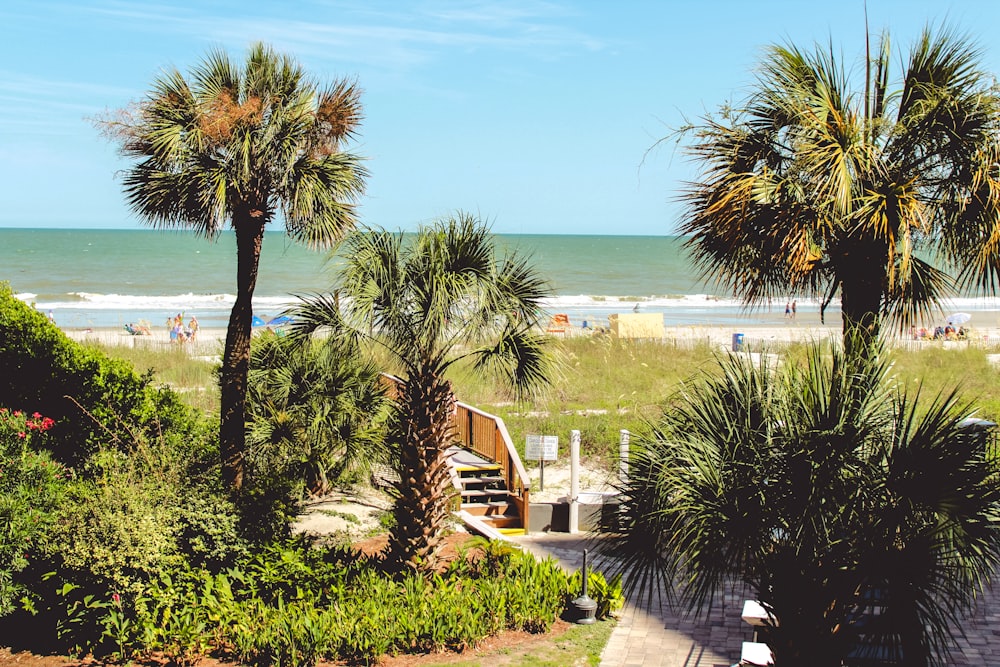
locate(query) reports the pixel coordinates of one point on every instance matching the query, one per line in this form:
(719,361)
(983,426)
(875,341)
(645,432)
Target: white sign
(541,447)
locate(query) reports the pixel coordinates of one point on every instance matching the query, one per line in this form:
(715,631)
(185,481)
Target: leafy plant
(828,491)
(314,415)
(31,487)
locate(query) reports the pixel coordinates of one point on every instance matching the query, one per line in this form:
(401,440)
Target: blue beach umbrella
(280,320)
(257,322)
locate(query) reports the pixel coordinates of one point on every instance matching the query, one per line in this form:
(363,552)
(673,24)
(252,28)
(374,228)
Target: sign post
(541,448)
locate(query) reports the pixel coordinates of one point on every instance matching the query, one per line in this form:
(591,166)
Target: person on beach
(788,310)
(794,310)
(192,328)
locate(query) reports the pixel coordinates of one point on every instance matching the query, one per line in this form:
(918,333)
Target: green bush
(31,487)
(296,603)
(85,392)
(316,415)
(132,515)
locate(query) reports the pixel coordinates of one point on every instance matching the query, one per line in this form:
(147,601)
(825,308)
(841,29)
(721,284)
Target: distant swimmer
(636,309)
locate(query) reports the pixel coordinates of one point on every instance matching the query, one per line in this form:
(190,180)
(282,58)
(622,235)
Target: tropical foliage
(864,519)
(315,416)
(428,301)
(814,186)
(240,145)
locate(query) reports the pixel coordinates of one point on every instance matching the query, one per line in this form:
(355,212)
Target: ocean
(107,278)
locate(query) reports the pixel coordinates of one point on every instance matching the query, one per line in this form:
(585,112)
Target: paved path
(658,637)
(666,637)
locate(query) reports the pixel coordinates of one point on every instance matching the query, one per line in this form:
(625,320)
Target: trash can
(737,342)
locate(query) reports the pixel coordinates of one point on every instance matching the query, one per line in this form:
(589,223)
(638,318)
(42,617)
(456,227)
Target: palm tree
(243,144)
(828,493)
(315,415)
(812,187)
(429,301)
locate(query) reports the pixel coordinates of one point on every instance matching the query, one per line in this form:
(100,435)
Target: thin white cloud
(357,33)
(50,106)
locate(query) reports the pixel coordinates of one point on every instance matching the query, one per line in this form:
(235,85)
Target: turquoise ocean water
(101,278)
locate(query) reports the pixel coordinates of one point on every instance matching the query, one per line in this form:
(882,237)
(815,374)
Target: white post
(574,481)
(623,456)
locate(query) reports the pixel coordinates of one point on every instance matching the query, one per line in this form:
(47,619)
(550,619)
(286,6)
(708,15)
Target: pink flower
(36,415)
(22,434)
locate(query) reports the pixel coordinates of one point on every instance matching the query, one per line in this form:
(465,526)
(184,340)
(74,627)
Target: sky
(540,116)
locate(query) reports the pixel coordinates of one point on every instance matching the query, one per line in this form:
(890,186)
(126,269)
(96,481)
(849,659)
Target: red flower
(22,434)
(36,415)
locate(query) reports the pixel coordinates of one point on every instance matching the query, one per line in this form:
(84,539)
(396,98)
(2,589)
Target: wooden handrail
(487,436)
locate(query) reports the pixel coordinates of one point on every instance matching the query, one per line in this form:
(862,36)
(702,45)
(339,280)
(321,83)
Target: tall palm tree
(811,186)
(828,493)
(243,144)
(428,301)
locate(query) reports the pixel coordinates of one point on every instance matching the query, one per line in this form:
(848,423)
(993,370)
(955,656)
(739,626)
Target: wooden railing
(486,435)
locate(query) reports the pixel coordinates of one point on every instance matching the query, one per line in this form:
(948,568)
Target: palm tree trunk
(236,359)
(862,290)
(425,487)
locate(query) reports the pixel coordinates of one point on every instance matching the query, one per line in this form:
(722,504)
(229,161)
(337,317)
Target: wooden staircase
(484,493)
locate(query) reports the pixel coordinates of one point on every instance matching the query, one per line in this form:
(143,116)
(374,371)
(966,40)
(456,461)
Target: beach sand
(806,327)
(208,342)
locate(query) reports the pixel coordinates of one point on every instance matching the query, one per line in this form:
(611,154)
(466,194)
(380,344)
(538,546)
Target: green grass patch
(579,645)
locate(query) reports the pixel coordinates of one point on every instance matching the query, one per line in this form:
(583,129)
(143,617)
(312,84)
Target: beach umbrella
(257,321)
(959,318)
(280,320)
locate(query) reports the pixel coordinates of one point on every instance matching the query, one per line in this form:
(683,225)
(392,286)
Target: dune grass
(602,384)
(194,378)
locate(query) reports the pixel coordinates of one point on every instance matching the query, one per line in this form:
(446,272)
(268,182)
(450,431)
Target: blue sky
(538,115)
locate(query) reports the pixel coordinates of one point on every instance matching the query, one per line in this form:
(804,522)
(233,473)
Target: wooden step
(481,480)
(471,468)
(497,508)
(501,521)
(483,493)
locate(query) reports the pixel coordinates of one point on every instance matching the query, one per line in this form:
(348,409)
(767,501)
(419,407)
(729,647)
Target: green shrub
(118,528)
(31,487)
(315,414)
(85,392)
(295,604)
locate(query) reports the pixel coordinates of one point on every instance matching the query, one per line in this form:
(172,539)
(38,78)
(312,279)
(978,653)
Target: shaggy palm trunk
(236,359)
(425,487)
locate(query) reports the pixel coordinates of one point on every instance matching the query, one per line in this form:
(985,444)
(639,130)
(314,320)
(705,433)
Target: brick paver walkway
(666,637)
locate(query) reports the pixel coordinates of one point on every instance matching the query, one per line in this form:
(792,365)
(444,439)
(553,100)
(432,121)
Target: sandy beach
(208,341)
(804,328)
